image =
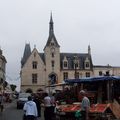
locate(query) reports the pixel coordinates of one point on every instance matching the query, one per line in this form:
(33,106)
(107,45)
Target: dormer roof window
(52,43)
(65,63)
(87,63)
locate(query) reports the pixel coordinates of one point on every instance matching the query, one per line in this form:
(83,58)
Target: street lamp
(75,65)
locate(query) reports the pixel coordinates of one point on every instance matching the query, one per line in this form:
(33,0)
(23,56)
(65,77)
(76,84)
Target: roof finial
(34,46)
(89,50)
(51,25)
(51,20)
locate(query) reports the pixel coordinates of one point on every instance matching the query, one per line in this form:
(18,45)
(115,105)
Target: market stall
(101,92)
(97,112)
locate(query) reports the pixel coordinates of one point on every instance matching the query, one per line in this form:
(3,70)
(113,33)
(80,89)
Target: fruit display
(95,108)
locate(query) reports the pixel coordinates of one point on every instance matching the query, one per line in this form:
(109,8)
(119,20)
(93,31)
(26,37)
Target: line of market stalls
(102,89)
(101,92)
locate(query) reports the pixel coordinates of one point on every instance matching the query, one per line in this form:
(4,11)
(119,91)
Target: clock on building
(52,50)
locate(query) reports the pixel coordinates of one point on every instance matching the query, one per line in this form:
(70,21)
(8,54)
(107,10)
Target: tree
(5,83)
(13,87)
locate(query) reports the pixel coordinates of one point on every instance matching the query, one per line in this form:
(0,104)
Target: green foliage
(13,87)
(5,83)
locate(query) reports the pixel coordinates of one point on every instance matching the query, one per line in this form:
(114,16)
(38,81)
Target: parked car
(22,98)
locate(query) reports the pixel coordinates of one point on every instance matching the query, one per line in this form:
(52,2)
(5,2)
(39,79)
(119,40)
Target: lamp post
(75,65)
(76,76)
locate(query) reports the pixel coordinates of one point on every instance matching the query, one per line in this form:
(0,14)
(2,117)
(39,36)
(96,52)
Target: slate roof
(70,58)
(27,53)
(52,36)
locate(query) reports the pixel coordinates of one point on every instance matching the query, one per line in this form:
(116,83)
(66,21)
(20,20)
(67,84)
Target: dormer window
(87,63)
(76,62)
(65,64)
(52,44)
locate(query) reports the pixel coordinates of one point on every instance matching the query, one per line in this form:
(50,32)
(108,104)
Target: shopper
(48,108)
(30,109)
(38,104)
(1,103)
(85,105)
(53,102)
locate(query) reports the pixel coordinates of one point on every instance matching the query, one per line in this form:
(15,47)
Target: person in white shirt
(30,109)
(53,102)
(48,107)
(85,105)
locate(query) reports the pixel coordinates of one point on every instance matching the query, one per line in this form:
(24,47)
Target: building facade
(52,67)
(2,70)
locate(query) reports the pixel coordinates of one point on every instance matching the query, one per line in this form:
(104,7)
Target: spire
(51,34)
(27,52)
(89,50)
(51,29)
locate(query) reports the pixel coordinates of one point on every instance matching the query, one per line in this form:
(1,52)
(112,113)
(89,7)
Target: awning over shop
(93,79)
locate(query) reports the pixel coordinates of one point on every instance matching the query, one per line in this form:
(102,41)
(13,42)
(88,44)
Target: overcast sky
(77,23)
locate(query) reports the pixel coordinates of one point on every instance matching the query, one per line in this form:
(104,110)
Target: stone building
(100,70)
(51,67)
(2,70)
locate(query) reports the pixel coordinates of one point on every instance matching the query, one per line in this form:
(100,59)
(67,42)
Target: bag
(78,114)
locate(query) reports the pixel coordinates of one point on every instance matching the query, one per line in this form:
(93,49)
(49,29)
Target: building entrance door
(53,79)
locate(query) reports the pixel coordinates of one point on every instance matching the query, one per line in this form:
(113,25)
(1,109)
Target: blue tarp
(93,79)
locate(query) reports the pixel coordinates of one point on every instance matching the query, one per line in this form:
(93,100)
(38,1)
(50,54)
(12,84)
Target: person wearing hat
(85,105)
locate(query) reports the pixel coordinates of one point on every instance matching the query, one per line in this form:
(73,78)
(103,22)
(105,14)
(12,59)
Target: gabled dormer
(65,63)
(87,63)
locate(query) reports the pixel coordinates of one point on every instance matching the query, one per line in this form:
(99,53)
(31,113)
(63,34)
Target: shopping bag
(78,114)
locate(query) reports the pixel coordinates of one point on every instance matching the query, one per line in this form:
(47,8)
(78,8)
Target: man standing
(48,108)
(30,109)
(85,105)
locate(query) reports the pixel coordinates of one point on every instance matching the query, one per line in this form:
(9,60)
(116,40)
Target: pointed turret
(27,52)
(51,34)
(51,27)
(89,50)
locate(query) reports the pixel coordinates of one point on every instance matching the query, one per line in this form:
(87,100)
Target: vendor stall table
(97,112)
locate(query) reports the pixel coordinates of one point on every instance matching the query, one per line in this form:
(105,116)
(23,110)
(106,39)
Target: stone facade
(102,70)
(39,70)
(2,70)
(52,67)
